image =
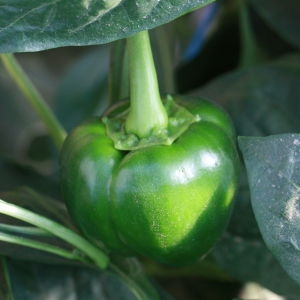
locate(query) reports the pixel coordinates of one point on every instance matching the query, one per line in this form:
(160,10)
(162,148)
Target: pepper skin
(168,203)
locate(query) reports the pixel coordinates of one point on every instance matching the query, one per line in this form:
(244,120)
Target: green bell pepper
(166,202)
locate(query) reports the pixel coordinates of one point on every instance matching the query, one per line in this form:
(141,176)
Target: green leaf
(33,26)
(273,167)
(283,16)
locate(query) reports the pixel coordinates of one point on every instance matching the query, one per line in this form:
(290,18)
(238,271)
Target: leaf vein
(101,12)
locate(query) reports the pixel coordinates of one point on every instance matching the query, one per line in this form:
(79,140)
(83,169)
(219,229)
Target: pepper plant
(163,152)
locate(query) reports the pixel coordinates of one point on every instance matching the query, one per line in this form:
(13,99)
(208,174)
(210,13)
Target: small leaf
(33,26)
(273,167)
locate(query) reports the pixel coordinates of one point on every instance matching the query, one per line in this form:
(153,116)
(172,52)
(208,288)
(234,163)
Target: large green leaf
(283,16)
(273,167)
(36,25)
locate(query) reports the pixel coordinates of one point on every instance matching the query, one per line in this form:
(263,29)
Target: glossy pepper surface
(166,202)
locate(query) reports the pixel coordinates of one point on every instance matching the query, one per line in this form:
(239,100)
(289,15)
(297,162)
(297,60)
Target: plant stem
(147,112)
(6,276)
(163,54)
(27,230)
(56,208)
(119,73)
(34,98)
(95,254)
(17,240)
(251,53)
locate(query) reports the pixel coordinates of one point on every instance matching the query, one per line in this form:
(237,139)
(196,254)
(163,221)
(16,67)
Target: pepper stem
(147,113)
